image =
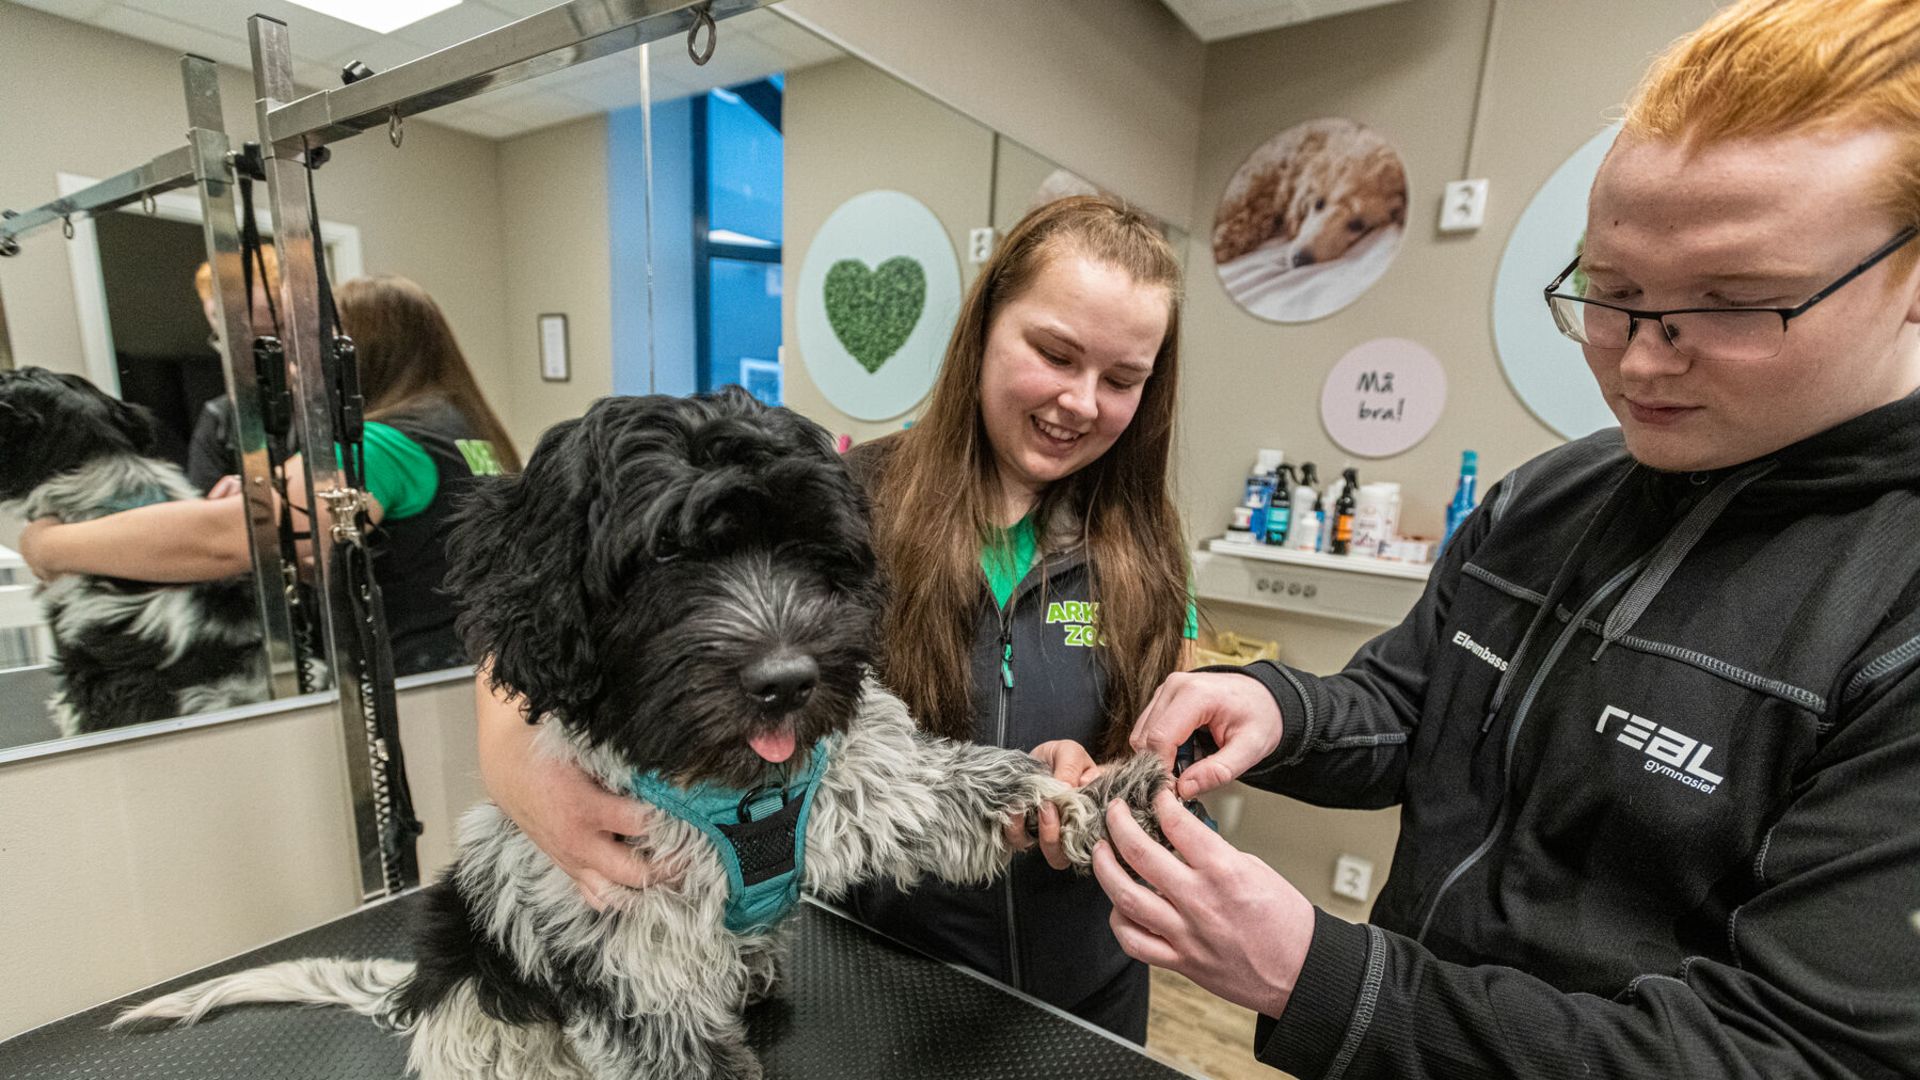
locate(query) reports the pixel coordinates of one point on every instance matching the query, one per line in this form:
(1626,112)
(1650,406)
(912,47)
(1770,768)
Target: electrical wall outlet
(1464,207)
(979,245)
(1353,877)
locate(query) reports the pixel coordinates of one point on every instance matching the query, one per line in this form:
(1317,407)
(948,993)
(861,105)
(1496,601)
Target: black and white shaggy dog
(126,651)
(683,589)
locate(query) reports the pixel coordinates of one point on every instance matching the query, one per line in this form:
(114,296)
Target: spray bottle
(1342,536)
(1280,507)
(1463,495)
(1308,519)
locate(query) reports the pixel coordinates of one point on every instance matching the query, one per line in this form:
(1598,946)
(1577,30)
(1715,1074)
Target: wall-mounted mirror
(522,228)
(565,276)
(129,593)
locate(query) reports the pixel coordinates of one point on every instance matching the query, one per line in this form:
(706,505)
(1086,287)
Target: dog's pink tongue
(775,746)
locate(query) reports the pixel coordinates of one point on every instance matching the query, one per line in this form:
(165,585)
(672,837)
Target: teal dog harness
(760,834)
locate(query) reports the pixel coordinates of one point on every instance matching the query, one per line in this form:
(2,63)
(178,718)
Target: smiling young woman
(1036,571)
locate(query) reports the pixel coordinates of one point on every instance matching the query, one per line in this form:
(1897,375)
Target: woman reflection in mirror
(429,430)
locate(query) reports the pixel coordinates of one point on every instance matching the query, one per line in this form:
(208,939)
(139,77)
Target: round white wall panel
(879,291)
(1544,367)
(1383,397)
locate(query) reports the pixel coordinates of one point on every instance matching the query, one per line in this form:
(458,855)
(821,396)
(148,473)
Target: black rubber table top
(856,1005)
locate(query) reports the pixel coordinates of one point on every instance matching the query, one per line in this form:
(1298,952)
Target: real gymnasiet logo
(1669,753)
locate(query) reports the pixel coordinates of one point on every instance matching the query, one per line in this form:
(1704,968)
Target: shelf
(1370,592)
(1357,564)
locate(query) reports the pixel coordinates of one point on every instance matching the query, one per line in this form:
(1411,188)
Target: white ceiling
(1214,20)
(751,46)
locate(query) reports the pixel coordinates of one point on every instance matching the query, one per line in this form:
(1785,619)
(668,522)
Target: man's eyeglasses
(1720,333)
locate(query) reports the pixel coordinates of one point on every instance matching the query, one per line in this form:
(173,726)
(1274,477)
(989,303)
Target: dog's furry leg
(457,1040)
(766,970)
(1135,781)
(365,986)
(901,804)
(648,1047)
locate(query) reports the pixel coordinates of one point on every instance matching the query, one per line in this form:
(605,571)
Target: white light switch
(979,245)
(1464,207)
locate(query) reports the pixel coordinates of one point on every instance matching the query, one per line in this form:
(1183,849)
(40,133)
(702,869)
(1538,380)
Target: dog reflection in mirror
(125,651)
(684,589)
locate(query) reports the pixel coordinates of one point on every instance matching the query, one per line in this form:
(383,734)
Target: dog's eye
(1357,225)
(665,550)
(1320,204)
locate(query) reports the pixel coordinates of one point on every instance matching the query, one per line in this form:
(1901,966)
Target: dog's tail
(365,986)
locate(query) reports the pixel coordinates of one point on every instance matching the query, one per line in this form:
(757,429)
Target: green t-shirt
(399,473)
(1006,559)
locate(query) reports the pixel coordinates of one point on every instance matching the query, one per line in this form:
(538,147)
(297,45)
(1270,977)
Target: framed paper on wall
(554,363)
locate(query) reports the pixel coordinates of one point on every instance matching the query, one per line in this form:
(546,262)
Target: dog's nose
(780,680)
(1303,257)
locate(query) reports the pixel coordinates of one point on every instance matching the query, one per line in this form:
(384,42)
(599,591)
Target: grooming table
(855,1005)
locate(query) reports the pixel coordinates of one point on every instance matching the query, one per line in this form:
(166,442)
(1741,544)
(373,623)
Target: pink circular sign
(1383,397)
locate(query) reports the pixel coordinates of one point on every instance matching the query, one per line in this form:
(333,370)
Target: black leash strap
(380,709)
(276,416)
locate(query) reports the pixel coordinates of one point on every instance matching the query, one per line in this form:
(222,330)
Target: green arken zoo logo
(1079,617)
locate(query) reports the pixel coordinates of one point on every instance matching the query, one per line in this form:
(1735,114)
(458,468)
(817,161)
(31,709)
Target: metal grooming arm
(207,163)
(293,131)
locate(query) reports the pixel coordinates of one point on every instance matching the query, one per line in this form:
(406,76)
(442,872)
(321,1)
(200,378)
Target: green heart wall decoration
(873,312)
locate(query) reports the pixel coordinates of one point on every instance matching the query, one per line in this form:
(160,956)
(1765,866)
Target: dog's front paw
(1083,823)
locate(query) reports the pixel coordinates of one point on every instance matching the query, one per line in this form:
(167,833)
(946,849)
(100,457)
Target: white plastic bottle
(1372,508)
(1306,527)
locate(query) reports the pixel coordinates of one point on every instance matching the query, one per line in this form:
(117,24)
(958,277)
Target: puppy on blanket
(684,591)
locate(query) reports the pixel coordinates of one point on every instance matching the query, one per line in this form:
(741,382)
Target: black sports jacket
(1656,742)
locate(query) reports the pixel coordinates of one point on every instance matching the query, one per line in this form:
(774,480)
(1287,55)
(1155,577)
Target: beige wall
(851,128)
(131,863)
(86,101)
(552,243)
(1408,70)
(1109,88)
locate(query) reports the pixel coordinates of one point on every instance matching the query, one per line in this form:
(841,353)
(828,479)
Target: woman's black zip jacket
(1036,678)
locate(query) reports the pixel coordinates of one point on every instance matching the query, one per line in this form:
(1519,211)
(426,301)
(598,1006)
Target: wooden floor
(1193,1030)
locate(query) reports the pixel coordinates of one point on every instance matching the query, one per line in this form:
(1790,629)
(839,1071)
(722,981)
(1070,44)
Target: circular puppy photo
(1310,220)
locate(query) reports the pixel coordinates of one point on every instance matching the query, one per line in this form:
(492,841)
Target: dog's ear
(137,424)
(515,554)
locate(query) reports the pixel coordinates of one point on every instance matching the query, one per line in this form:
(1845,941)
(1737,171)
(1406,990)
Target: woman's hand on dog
(29,548)
(1070,764)
(584,828)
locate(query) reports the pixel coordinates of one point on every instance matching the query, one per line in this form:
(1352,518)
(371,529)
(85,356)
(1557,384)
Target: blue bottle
(1259,491)
(1463,496)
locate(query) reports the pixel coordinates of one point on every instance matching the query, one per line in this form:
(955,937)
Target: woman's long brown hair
(935,501)
(408,354)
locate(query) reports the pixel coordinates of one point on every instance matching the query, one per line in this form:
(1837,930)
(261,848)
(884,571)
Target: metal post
(313,425)
(552,40)
(6,342)
(213,172)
